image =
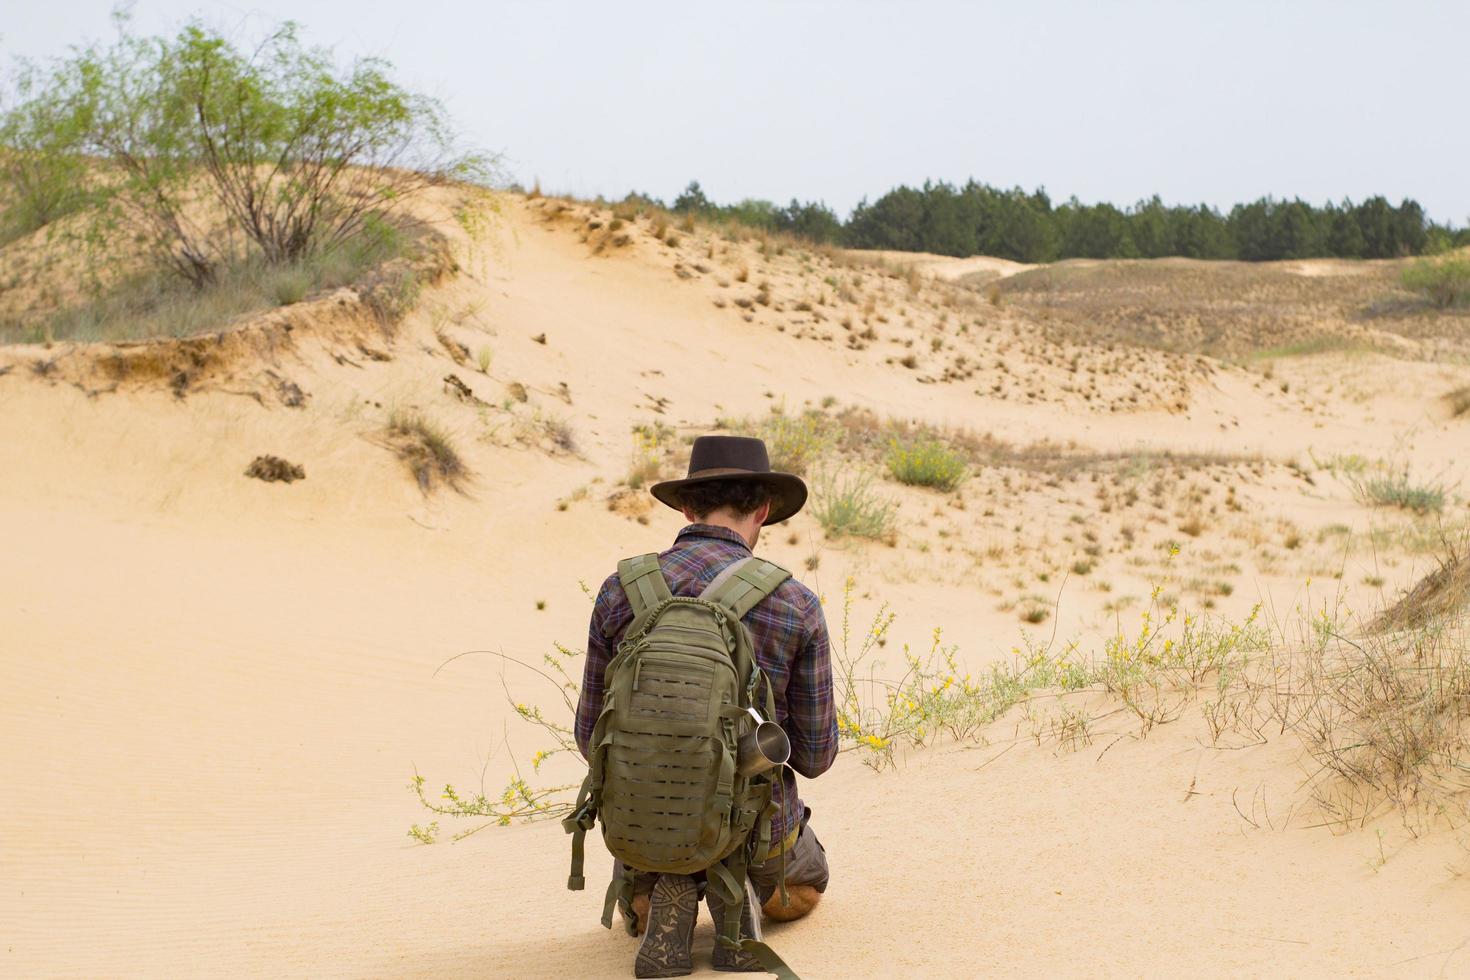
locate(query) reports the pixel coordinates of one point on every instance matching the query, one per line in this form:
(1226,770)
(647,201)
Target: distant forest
(977,219)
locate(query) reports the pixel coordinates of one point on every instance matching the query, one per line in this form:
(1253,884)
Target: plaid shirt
(790,637)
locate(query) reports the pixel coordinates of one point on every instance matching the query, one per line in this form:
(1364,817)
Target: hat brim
(788,491)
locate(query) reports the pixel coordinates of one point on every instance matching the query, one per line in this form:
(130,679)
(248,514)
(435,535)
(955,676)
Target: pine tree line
(977,219)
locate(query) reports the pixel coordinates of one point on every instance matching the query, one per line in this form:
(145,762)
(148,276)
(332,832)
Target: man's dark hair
(744,497)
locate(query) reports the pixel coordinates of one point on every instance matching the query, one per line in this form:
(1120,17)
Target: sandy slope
(213,690)
(945,267)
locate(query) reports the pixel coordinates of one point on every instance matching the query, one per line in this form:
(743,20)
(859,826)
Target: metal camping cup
(765,747)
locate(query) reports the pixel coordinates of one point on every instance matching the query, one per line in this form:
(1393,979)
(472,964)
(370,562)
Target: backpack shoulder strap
(644,583)
(724,576)
(749,581)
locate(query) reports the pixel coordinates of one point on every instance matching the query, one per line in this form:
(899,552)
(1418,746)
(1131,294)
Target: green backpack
(662,777)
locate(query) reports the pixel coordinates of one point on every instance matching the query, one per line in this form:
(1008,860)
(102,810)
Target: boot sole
(728,960)
(665,950)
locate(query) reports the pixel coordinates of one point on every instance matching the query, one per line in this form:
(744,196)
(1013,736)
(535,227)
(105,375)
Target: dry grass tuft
(1441,594)
(846,505)
(427,449)
(1398,488)
(1387,720)
(1458,400)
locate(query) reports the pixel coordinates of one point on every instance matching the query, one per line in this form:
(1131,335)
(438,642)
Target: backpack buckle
(583,819)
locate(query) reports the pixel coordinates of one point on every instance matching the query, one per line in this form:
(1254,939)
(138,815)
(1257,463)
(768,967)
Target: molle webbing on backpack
(643,581)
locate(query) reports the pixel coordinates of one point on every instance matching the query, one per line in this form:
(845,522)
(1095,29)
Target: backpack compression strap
(643,581)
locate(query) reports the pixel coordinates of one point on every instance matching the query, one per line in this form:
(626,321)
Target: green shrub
(295,154)
(1444,281)
(926,463)
(44,175)
(846,506)
(795,442)
(1397,488)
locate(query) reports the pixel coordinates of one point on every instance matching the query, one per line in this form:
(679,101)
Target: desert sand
(215,689)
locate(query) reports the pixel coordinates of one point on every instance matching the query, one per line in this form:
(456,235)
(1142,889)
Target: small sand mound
(1442,593)
(630,503)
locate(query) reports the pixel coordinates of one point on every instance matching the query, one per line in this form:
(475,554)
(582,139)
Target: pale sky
(1216,101)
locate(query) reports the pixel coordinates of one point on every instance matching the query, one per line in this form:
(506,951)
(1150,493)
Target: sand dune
(945,267)
(215,689)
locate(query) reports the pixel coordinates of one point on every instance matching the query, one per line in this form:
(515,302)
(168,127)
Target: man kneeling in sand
(641,711)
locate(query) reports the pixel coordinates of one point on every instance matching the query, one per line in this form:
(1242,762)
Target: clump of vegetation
(1386,716)
(264,173)
(1443,280)
(153,304)
(44,179)
(1458,400)
(519,800)
(846,505)
(427,449)
(1441,596)
(795,442)
(926,462)
(1035,611)
(1397,488)
(652,447)
(554,430)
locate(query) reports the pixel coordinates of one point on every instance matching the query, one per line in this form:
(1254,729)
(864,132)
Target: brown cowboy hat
(716,458)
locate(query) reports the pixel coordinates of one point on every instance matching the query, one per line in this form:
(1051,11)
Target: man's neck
(720,520)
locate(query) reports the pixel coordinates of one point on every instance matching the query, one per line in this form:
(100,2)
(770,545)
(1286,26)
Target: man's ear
(690,516)
(762,512)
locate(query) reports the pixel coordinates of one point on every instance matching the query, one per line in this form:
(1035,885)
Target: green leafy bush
(43,175)
(926,463)
(795,442)
(208,154)
(1444,281)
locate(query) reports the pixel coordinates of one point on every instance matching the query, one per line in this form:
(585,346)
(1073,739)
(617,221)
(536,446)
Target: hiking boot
(673,909)
(730,960)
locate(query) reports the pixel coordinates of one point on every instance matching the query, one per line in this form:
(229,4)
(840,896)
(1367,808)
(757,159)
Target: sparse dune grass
(1398,488)
(944,457)
(1233,310)
(148,303)
(1442,595)
(428,450)
(846,505)
(1384,715)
